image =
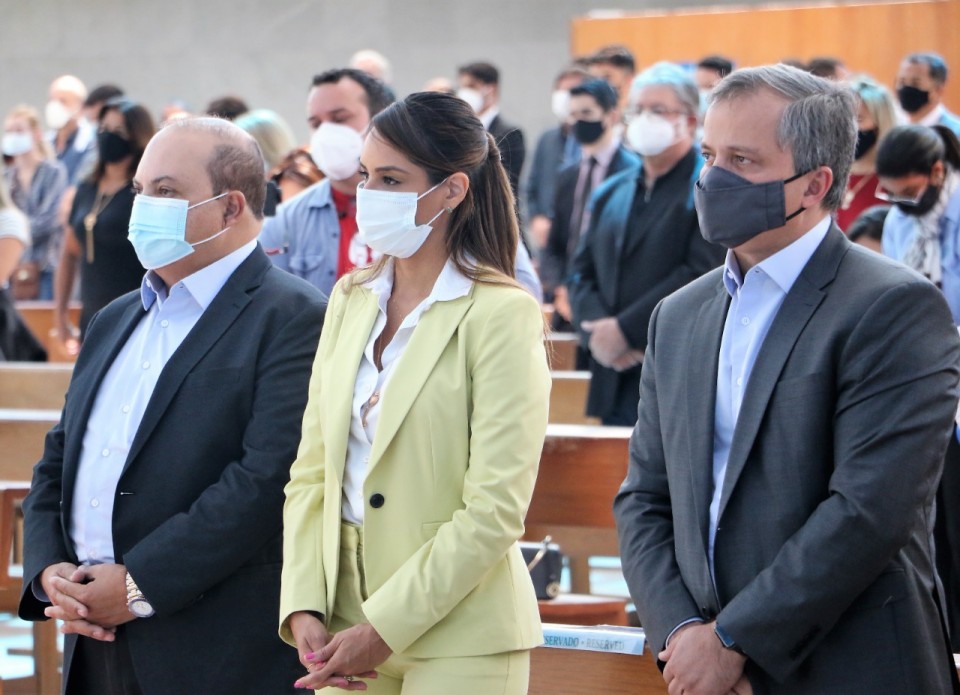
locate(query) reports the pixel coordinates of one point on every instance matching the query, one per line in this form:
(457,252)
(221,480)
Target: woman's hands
(337,661)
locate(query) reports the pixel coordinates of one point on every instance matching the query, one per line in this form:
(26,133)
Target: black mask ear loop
(791,180)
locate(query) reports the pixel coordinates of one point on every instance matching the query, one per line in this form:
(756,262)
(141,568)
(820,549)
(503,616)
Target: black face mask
(588,132)
(912,99)
(925,204)
(866,139)
(113,147)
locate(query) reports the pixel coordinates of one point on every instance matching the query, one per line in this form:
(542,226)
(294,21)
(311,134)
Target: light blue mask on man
(158,229)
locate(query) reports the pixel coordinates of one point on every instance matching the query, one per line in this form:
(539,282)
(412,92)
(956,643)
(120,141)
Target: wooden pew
(22,433)
(568,399)
(38,315)
(573,670)
(562,351)
(34,385)
(581,469)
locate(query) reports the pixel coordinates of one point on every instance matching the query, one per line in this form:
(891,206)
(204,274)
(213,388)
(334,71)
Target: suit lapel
(359,314)
(798,307)
(230,301)
(701,390)
(429,340)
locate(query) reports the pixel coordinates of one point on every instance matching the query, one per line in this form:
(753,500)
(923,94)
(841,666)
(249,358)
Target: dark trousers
(102,668)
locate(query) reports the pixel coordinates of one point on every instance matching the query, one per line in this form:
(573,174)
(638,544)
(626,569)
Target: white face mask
(336,150)
(560,104)
(56,114)
(650,135)
(387,221)
(473,97)
(17,143)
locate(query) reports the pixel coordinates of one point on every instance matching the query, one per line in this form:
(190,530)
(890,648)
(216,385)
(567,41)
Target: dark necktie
(580,207)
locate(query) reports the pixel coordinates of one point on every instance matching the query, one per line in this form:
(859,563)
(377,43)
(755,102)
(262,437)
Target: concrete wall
(266,51)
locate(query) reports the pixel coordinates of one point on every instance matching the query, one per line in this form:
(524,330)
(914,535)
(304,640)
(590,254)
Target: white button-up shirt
(755,301)
(450,285)
(125,392)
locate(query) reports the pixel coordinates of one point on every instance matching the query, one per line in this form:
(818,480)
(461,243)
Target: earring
(450,211)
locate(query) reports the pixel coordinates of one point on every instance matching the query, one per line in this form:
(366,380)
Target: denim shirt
(899,230)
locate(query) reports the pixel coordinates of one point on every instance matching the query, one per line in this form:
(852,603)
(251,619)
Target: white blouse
(370,387)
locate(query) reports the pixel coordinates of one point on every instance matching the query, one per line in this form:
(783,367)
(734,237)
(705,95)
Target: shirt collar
(783,267)
(487,116)
(932,118)
(605,156)
(451,284)
(203,285)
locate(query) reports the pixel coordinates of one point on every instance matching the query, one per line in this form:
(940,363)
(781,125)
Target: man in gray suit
(775,523)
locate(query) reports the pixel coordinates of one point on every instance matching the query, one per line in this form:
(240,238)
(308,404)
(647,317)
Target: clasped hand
(354,652)
(698,664)
(91,600)
(609,346)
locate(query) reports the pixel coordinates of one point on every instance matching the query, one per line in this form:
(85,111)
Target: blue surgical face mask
(158,229)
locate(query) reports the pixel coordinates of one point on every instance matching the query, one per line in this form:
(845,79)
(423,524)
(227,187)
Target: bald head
(232,157)
(70,88)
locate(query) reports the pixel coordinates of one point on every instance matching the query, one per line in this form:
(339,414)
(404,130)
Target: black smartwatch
(726,640)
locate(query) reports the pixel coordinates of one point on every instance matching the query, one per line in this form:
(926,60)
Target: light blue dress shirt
(755,300)
(123,396)
(304,239)
(899,230)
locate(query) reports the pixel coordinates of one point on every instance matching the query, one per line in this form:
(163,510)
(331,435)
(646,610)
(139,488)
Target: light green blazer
(455,457)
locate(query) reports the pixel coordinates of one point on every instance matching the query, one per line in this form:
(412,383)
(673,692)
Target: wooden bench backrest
(21,440)
(568,398)
(562,350)
(33,384)
(38,315)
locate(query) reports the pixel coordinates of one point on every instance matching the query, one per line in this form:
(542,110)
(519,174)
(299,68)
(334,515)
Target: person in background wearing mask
(479,86)
(919,169)
(642,241)
(72,143)
(154,518)
(594,117)
(556,149)
(314,236)
(795,404)
(616,65)
(920,84)
(423,431)
(36,184)
(95,241)
(708,73)
(876,115)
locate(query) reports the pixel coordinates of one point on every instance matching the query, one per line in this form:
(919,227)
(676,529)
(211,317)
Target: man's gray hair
(818,126)
(673,76)
(236,163)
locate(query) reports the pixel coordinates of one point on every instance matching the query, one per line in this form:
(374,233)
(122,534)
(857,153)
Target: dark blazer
(198,521)
(823,552)
(544,169)
(556,256)
(512,150)
(621,270)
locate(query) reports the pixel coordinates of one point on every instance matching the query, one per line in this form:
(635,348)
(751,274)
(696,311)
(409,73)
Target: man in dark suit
(776,520)
(480,87)
(594,123)
(153,526)
(642,242)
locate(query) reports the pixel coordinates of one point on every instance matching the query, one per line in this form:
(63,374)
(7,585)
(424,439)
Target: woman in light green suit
(421,440)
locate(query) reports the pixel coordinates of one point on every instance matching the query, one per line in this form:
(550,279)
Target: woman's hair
(441,134)
(878,102)
(869,223)
(297,165)
(32,117)
(140,128)
(914,149)
(271,132)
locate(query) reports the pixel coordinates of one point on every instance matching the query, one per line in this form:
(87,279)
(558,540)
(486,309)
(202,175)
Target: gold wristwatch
(136,603)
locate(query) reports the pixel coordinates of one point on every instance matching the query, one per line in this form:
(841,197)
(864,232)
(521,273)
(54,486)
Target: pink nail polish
(309,656)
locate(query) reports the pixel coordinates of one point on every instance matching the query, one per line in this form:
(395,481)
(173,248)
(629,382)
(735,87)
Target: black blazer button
(376,500)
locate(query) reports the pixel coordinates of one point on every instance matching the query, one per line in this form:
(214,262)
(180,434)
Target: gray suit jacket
(823,557)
